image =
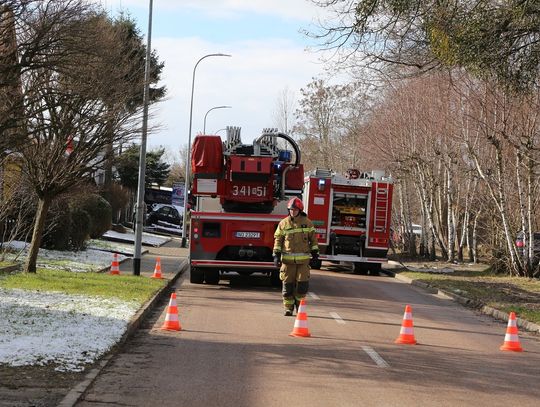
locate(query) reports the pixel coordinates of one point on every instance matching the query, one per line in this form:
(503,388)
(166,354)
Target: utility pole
(142,154)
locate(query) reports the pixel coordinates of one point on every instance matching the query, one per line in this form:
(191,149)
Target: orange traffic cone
(157,269)
(511,339)
(115,268)
(300,324)
(406,334)
(171,318)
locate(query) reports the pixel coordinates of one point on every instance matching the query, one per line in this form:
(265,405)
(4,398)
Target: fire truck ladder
(322,173)
(381,208)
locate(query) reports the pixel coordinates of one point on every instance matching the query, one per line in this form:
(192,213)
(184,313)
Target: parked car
(165,213)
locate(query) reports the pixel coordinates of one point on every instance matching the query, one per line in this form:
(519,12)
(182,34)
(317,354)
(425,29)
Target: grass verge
(518,294)
(123,287)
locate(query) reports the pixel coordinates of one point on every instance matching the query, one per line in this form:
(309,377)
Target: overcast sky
(268,55)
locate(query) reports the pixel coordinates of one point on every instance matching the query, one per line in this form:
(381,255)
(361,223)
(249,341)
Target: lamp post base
(136,266)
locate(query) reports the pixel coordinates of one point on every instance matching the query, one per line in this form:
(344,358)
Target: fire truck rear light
(195,230)
(195,235)
(377,240)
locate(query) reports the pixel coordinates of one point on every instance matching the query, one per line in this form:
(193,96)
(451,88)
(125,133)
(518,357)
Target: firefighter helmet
(295,203)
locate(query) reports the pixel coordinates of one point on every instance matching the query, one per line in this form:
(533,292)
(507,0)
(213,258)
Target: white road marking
(336,316)
(314,296)
(375,356)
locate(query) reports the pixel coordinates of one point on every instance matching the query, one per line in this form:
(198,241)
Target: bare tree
(178,167)
(11,129)
(73,94)
(508,162)
(321,118)
(283,114)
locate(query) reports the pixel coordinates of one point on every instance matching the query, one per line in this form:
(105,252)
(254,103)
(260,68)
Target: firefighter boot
(288,298)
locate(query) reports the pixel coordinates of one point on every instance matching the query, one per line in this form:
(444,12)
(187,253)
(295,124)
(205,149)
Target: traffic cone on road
(115,268)
(157,269)
(511,339)
(300,324)
(406,334)
(171,318)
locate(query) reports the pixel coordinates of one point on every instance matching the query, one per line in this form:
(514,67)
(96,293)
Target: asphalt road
(234,350)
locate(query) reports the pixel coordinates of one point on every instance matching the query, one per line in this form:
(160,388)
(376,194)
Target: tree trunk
(499,198)
(427,210)
(39,225)
(465,229)
(523,255)
(422,251)
(514,261)
(439,227)
(473,248)
(530,215)
(403,228)
(108,164)
(411,241)
(449,216)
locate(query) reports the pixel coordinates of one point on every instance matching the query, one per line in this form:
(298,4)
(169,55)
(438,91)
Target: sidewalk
(173,264)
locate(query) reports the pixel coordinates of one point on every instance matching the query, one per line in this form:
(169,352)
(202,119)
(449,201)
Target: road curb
(485,309)
(78,391)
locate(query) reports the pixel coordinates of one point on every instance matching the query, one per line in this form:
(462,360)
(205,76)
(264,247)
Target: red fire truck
(351,215)
(241,195)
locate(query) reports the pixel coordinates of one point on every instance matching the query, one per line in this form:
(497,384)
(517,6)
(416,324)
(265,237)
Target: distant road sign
(178,194)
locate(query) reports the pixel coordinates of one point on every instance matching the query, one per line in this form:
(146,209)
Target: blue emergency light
(285,156)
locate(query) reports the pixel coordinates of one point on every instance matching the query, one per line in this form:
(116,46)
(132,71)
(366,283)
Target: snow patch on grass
(68,331)
(81,261)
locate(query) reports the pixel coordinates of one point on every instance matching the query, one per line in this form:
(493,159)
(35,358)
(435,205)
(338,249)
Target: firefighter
(294,245)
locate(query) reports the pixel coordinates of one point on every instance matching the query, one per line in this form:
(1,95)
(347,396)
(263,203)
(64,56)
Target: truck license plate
(248,235)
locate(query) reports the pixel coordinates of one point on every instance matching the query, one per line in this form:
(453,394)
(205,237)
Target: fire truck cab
(351,214)
(241,192)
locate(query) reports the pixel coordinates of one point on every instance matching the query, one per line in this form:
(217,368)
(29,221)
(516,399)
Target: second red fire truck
(351,214)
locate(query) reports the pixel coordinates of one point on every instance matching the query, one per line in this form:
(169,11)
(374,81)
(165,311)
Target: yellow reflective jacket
(295,239)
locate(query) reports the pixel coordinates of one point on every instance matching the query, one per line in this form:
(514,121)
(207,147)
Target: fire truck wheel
(274,279)
(196,276)
(375,269)
(360,268)
(315,264)
(211,276)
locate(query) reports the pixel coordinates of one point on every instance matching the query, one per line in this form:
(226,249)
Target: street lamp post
(188,158)
(214,108)
(142,153)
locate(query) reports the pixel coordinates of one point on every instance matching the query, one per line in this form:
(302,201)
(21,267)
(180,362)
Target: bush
(80,228)
(57,227)
(99,211)
(118,197)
